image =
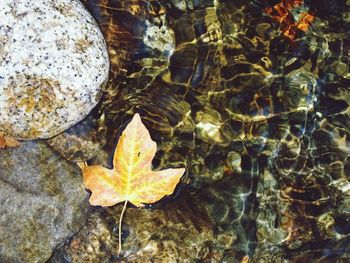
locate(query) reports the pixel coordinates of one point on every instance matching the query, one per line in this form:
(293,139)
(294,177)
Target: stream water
(252,97)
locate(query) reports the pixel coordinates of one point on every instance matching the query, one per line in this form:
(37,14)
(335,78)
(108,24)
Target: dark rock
(174,232)
(43,202)
(82,141)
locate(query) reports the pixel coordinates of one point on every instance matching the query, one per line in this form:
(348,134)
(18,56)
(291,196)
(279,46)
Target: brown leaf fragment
(6,141)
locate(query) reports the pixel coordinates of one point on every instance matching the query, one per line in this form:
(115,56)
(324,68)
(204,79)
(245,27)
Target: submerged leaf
(131,178)
(282,13)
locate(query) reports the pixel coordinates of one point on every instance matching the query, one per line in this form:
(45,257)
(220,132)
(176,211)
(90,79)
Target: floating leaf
(131,179)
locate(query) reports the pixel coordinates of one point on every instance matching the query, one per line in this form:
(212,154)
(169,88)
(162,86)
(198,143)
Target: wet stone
(53,65)
(176,232)
(80,142)
(42,202)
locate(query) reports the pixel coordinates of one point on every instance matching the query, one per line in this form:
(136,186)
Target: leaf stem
(120,227)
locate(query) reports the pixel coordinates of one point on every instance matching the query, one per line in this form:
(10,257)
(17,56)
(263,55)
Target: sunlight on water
(253,97)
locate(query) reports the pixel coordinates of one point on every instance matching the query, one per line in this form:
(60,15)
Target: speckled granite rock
(53,65)
(42,202)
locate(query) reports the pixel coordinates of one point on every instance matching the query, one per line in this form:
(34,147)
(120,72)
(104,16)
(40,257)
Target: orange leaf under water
(281,12)
(131,178)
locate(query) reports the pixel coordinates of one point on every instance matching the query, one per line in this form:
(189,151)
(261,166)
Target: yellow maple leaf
(131,179)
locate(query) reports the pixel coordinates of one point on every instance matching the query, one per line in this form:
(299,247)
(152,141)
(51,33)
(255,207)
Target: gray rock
(42,202)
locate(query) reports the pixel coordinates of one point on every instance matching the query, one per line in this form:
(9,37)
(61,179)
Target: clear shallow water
(255,104)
